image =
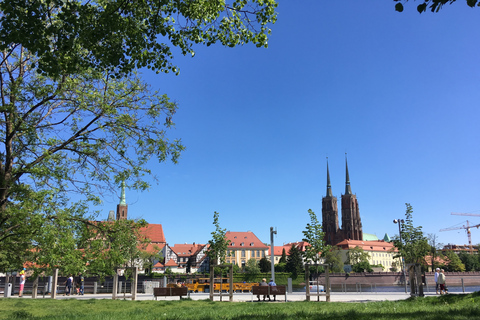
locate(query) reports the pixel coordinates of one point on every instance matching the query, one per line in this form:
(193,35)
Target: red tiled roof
(154,232)
(171,263)
(152,247)
(379,245)
(277,251)
(248,239)
(186,250)
(159,265)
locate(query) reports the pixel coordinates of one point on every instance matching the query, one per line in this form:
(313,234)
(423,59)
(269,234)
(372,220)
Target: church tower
(330,214)
(122,207)
(351,223)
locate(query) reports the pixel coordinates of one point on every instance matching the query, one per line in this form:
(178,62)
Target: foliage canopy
(121,36)
(78,136)
(433,5)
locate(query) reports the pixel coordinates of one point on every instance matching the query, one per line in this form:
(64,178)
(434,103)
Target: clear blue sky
(398,92)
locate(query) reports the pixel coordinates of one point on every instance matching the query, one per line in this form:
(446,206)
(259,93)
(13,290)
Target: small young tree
(294,261)
(412,245)
(218,245)
(314,236)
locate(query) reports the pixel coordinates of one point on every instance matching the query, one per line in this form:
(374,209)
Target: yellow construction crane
(466,227)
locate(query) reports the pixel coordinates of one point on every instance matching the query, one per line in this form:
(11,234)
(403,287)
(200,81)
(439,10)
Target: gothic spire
(348,190)
(329,187)
(123,201)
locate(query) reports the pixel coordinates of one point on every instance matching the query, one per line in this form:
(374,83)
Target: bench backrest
(281,290)
(168,292)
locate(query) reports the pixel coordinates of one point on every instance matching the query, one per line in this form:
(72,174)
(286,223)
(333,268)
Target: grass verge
(451,307)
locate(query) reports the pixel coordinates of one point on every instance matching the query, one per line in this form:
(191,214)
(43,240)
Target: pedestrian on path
(441,281)
(22,282)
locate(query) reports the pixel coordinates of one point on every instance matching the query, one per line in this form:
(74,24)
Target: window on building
(251,244)
(258,253)
(243,253)
(263,254)
(253,253)
(241,244)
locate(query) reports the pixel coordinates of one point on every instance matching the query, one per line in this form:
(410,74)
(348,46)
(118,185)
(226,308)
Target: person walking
(437,285)
(441,281)
(22,282)
(81,279)
(68,285)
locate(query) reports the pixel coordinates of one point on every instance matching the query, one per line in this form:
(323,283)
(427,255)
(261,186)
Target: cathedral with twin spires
(351,222)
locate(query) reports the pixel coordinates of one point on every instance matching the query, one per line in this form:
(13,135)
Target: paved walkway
(247,297)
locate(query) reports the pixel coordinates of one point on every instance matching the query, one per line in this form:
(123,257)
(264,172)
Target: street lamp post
(400,221)
(272,256)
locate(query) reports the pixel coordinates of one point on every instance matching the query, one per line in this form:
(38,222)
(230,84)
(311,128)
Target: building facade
(243,247)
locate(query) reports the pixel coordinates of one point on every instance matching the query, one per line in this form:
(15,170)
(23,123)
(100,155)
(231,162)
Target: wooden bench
(269,290)
(170,292)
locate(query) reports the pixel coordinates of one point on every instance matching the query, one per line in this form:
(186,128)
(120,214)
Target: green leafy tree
(77,135)
(470,261)
(281,267)
(121,36)
(357,255)
(218,245)
(314,236)
(412,245)
(334,259)
(362,267)
(432,5)
(117,244)
(283,258)
(252,266)
(454,263)
(294,262)
(264,265)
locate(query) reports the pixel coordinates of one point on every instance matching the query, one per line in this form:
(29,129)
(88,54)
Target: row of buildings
(246,245)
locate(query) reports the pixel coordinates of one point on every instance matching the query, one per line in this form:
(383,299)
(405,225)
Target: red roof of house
(379,245)
(277,251)
(152,247)
(154,232)
(171,263)
(186,250)
(244,239)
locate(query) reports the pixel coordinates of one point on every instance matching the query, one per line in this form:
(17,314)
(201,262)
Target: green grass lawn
(451,307)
